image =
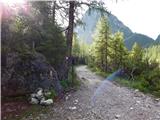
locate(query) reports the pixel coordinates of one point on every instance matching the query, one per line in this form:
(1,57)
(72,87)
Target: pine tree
(118,51)
(137,54)
(101,44)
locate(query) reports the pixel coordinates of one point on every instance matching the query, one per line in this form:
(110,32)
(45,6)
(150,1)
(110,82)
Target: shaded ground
(13,109)
(101,100)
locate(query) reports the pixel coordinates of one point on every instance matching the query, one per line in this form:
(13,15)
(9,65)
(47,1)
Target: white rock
(136,90)
(73,108)
(131,108)
(138,102)
(117,116)
(66,97)
(76,100)
(46,102)
(34,101)
(40,92)
(157,99)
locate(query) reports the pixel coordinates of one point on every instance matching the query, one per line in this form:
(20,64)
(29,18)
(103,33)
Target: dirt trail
(102,100)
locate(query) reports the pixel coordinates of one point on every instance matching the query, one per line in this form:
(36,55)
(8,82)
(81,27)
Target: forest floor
(101,100)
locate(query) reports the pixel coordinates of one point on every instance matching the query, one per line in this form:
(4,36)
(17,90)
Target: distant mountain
(158,39)
(91,20)
(142,40)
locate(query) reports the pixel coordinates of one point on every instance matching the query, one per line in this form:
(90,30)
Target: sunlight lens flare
(12,2)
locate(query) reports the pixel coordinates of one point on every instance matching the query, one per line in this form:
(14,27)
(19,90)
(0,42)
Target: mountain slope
(85,33)
(142,40)
(158,39)
(91,20)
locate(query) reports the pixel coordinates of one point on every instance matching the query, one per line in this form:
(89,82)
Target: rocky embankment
(23,73)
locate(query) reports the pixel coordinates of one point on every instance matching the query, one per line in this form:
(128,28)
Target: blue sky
(141,16)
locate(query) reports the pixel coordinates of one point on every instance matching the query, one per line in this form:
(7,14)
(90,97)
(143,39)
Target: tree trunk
(53,11)
(69,36)
(70,28)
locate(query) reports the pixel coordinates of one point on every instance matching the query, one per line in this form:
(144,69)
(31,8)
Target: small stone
(117,116)
(136,90)
(40,92)
(131,108)
(138,102)
(66,97)
(68,118)
(157,99)
(73,108)
(46,102)
(34,101)
(76,100)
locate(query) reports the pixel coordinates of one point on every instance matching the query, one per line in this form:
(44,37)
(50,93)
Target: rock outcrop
(24,73)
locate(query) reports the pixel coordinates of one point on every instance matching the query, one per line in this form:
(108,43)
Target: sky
(141,16)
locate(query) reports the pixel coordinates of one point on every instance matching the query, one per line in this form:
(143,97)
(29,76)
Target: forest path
(102,100)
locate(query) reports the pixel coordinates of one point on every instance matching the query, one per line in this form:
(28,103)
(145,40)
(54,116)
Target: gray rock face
(25,73)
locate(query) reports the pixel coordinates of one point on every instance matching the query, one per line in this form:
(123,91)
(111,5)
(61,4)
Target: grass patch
(141,85)
(34,111)
(72,81)
(99,72)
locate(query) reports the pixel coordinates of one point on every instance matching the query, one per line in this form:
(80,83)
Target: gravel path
(102,100)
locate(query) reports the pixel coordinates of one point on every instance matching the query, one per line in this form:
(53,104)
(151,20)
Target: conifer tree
(101,44)
(136,53)
(118,51)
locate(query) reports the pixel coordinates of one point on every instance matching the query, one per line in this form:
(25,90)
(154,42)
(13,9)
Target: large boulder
(26,72)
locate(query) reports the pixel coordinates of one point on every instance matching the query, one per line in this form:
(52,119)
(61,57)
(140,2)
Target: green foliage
(76,46)
(99,71)
(142,66)
(72,80)
(108,51)
(118,50)
(79,51)
(100,50)
(146,75)
(52,95)
(54,42)
(153,53)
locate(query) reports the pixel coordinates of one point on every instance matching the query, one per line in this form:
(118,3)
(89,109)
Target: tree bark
(69,36)
(53,11)
(70,28)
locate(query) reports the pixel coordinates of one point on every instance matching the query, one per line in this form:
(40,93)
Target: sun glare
(12,2)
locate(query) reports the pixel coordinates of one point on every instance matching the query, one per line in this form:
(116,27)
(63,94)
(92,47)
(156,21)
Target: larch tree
(118,51)
(101,43)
